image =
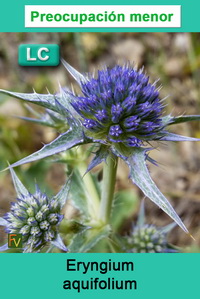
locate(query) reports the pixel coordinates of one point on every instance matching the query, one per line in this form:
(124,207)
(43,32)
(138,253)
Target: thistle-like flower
(120,106)
(36,217)
(119,110)
(146,238)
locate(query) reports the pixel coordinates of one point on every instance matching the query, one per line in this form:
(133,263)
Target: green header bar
(13,16)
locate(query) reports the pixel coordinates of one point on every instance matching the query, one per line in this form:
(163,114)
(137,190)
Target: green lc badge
(38,55)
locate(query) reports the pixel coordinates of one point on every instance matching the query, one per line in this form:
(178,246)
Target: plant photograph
(101,154)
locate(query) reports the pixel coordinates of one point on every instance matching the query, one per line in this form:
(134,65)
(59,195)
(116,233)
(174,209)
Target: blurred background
(173,58)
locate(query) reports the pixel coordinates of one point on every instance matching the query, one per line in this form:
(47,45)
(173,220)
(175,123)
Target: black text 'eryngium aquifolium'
(119,110)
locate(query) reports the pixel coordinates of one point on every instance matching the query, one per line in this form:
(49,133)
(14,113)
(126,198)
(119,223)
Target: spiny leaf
(44,100)
(19,187)
(139,174)
(86,240)
(49,118)
(166,229)
(45,119)
(75,74)
(183,119)
(152,161)
(176,137)
(48,101)
(100,156)
(43,122)
(62,143)
(62,195)
(58,242)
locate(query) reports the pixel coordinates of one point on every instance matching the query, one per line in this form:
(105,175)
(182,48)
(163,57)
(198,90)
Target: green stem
(109,178)
(93,197)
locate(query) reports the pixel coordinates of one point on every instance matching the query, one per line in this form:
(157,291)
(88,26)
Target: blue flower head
(146,238)
(120,106)
(36,217)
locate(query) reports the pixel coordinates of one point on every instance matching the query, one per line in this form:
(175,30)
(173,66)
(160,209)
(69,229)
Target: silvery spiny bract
(146,238)
(36,217)
(120,111)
